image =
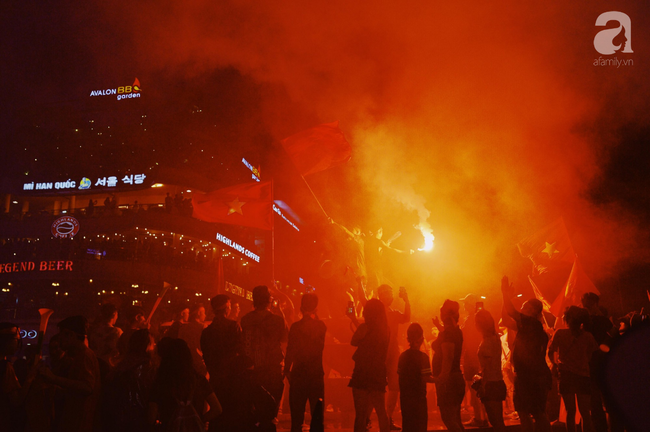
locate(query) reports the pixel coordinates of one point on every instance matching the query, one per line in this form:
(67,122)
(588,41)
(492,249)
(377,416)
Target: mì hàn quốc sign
(96,184)
(41,266)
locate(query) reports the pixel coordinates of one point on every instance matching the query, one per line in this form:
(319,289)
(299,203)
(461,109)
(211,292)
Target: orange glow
(476,123)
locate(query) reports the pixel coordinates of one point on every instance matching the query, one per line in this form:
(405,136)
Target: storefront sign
(122,92)
(278,211)
(29,266)
(236,246)
(239,291)
(86,183)
(257,175)
(28,334)
(65,227)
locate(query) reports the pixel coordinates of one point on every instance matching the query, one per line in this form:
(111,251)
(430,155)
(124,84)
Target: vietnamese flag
(248,204)
(318,148)
(548,248)
(577,285)
(552,255)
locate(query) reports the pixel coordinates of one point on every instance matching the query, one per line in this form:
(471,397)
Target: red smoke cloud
(491,115)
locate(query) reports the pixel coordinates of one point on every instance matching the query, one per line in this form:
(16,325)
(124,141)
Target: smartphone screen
(479,305)
(350,310)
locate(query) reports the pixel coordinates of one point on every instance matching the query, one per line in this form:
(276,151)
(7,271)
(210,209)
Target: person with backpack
(179,393)
(263,334)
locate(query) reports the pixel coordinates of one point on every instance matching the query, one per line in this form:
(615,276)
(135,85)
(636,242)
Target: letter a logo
(618,39)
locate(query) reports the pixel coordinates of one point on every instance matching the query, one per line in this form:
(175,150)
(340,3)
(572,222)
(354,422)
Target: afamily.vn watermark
(613,40)
(600,61)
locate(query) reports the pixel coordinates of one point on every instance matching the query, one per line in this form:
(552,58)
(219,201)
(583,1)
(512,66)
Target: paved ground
(343,422)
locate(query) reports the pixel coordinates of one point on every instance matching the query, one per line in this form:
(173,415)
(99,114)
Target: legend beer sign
(30,266)
(122,92)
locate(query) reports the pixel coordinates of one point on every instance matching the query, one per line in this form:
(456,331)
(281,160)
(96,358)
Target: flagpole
(272,239)
(314,195)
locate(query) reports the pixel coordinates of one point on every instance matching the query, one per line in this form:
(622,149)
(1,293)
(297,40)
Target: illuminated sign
(236,246)
(239,291)
(31,334)
(278,211)
(28,266)
(122,92)
(86,184)
(65,227)
(257,175)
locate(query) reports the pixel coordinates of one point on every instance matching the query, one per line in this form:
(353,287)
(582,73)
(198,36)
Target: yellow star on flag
(235,207)
(550,249)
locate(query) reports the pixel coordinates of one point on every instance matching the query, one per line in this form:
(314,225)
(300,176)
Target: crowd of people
(230,375)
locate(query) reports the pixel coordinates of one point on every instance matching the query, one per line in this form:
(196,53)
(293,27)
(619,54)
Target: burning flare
(428,238)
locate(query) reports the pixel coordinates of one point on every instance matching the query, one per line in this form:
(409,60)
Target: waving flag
(552,255)
(577,285)
(318,148)
(248,204)
(548,248)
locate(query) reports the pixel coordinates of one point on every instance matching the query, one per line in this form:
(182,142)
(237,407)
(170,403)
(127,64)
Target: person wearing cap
(80,383)
(447,348)
(533,377)
(263,334)
(303,365)
(221,347)
(471,366)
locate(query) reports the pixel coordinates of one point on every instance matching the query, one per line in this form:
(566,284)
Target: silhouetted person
(80,381)
(369,375)
(181,319)
(235,311)
(221,345)
(179,394)
(414,372)
(395,318)
(493,389)
(91,208)
(127,393)
(12,394)
(600,327)
(263,333)
(169,203)
(304,362)
(575,348)
(191,333)
(450,384)
(533,377)
(135,321)
(471,366)
(104,336)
